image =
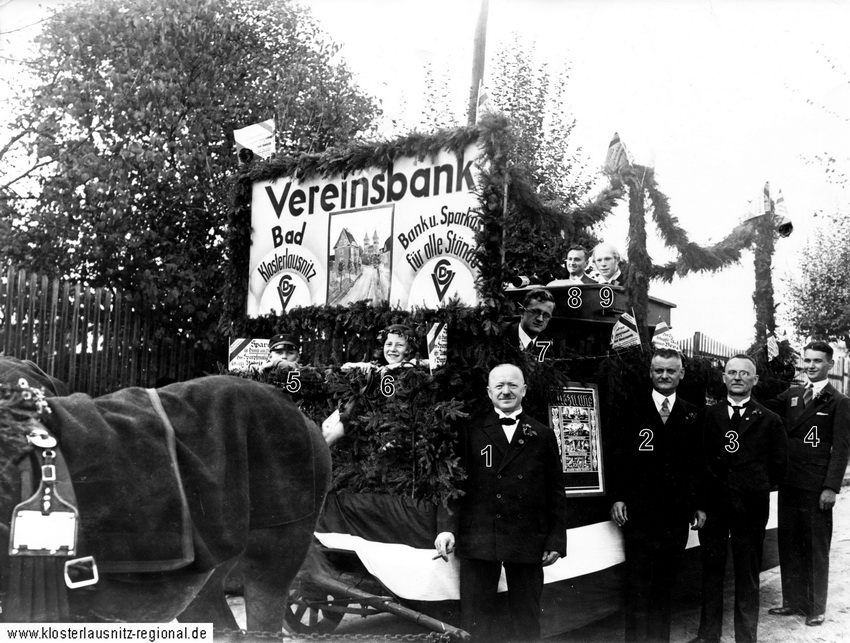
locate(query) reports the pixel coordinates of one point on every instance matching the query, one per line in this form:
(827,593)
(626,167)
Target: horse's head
(13,369)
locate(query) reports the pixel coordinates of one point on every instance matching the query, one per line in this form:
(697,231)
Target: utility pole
(479,49)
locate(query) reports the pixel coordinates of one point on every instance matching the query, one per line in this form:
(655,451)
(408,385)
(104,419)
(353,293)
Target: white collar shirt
(733,402)
(524,338)
(658,398)
(509,429)
(817,387)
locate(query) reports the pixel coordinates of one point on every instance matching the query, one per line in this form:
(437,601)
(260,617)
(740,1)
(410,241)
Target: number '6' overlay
(388,385)
(606,296)
(293,384)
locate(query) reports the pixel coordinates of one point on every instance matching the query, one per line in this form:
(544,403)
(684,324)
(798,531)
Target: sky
(712,93)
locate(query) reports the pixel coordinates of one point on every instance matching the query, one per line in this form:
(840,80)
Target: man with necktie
(817,420)
(656,481)
(746,454)
(527,334)
(512,513)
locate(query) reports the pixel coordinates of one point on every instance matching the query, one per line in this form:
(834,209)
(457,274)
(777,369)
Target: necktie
(665,410)
(507,421)
(735,420)
(807,395)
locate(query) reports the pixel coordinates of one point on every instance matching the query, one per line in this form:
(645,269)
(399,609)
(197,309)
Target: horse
(240,481)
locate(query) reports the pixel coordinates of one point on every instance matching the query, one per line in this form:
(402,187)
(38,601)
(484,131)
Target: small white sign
(258,138)
(247,352)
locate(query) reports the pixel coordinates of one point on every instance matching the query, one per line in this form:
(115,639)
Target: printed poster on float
(403,234)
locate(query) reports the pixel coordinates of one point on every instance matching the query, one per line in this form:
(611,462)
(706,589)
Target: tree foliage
(819,295)
(130,138)
(543,157)
(534,97)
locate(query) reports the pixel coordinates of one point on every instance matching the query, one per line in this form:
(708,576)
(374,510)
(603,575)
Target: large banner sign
(404,234)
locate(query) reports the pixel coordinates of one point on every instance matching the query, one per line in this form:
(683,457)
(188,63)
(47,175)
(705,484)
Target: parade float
(334,247)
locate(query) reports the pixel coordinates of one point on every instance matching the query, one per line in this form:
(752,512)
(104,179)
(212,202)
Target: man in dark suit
(527,334)
(512,512)
(817,419)
(746,454)
(656,484)
(577,260)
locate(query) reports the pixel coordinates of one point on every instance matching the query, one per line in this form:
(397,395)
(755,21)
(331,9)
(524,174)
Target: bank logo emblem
(442,277)
(285,288)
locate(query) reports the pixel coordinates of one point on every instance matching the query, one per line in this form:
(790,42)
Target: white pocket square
(821,413)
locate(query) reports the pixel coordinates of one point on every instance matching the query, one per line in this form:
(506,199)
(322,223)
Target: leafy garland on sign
(496,174)
(401,444)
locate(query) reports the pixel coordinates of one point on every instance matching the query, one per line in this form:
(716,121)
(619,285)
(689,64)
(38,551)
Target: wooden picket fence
(701,345)
(93,339)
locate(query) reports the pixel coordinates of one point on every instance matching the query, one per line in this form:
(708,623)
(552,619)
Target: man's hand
(550,557)
(619,514)
(698,521)
(445,544)
(827,499)
(333,428)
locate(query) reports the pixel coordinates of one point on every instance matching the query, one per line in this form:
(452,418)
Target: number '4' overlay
(812,437)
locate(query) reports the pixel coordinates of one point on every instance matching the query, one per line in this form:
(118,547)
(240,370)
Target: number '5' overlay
(293,383)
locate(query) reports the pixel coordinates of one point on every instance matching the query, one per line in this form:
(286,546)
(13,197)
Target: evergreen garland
(692,257)
(526,221)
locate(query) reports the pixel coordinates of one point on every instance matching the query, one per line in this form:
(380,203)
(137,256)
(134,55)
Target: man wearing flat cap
(284,353)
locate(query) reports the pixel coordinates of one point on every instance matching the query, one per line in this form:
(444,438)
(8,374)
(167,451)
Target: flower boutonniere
(822,394)
(528,431)
(756,412)
(690,417)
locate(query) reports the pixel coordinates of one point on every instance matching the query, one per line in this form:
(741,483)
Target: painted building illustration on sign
(403,234)
(358,270)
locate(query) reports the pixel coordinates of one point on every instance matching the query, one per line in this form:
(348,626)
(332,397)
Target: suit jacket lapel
(814,406)
(748,418)
(721,417)
(496,434)
(517,443)
(677,413)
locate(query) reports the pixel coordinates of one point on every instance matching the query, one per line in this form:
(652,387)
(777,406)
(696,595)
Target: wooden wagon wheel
(314,613)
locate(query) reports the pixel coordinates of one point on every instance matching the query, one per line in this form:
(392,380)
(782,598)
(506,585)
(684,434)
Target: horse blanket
(175,477)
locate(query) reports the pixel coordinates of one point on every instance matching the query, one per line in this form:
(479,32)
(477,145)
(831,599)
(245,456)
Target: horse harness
(44,537)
